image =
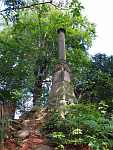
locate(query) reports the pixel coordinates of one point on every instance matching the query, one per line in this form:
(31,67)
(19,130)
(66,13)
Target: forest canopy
(29,51)
(29,46)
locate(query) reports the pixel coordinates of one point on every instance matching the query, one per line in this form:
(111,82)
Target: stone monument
(62,92)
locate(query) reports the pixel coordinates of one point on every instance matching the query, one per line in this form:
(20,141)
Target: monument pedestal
(62,92)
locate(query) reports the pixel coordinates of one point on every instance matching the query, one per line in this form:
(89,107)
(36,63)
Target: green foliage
(30,45)
(4,123)
(82,124)
(95,81)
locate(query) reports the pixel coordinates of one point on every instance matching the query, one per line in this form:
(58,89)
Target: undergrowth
(80,124)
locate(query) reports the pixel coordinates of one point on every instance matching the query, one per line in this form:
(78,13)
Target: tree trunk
(7,110)
(37,93)
(40,74)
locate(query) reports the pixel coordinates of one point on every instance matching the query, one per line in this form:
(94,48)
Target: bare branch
(29,6)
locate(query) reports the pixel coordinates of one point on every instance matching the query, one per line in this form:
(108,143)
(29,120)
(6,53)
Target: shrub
(81,124)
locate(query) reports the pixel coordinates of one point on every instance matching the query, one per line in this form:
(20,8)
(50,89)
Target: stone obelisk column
(62,91)
(61,43)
